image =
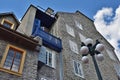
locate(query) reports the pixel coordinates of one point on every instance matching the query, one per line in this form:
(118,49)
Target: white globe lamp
(84,50)
(99,47)
(100,57)
(85,59)
(88,41)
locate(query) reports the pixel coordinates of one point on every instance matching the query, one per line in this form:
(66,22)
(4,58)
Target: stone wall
(47,72)
(89,31)
(30,65)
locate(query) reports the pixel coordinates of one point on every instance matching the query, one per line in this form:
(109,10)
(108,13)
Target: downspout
(61,66)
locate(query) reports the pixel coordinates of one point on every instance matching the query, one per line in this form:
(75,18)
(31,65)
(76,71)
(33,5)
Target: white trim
(53,58)
(47,56)
(81,69)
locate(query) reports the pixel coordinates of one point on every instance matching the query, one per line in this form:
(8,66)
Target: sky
(104,13)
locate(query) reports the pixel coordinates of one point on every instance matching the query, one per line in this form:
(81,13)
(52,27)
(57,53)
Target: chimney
(49,11)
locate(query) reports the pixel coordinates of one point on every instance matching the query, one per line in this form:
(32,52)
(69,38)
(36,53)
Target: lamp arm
(97,42)
(83,44)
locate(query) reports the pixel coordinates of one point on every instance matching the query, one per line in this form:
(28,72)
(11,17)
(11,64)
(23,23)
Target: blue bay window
(48,39)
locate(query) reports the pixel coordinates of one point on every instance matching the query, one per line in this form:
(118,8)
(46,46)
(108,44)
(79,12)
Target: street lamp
(87,47)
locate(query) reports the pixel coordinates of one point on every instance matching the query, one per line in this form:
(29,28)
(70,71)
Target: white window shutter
(42,54)
(53,60)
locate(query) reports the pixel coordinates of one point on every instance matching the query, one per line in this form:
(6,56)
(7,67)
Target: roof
(18,38)
(12,14)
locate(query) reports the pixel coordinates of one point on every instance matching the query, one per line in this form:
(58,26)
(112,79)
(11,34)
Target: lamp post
(87,47)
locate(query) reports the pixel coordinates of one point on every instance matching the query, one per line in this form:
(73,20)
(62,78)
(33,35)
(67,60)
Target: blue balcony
(48,39)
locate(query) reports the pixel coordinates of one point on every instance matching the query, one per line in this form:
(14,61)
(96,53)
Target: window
(73,46)
(82,38)
(78,69)
(47,56)
(78,25)
(7,24)
(13,60)
(43,79)
(70,30)
(111,54)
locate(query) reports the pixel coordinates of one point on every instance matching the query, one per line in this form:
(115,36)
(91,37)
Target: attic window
(7,24)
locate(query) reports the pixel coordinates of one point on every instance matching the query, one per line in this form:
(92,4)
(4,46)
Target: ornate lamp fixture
(95,51)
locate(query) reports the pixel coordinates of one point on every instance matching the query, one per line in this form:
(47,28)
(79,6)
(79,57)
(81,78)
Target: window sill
(50,66)
(11,72)
(80,76)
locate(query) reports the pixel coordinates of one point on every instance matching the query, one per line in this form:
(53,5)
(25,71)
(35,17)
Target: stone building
(46,46)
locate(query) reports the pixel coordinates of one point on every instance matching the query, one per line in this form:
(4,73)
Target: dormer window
(7,24)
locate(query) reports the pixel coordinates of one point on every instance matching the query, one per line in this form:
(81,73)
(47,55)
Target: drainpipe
(61,66)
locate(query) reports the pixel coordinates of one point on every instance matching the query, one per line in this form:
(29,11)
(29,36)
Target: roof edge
(27,11)
(11,13)
(78,12)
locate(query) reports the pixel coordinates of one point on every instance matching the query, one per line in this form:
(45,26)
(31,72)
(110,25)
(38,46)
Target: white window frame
(73,46)
(79,68)
(44,56)
(70,30)
(78,25)
(53,58)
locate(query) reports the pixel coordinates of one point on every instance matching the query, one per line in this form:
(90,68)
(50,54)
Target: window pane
(75,67)
(11,53)
(18,55)
(7,65)
(7,24)
(16,63)
(15,68)
(46,57)
(50,59)
(9,59)
(79,68)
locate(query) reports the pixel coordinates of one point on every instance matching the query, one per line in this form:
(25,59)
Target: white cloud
(110,30)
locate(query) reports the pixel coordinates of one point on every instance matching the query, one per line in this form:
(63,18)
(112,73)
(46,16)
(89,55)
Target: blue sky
(105,13)
(87,7)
